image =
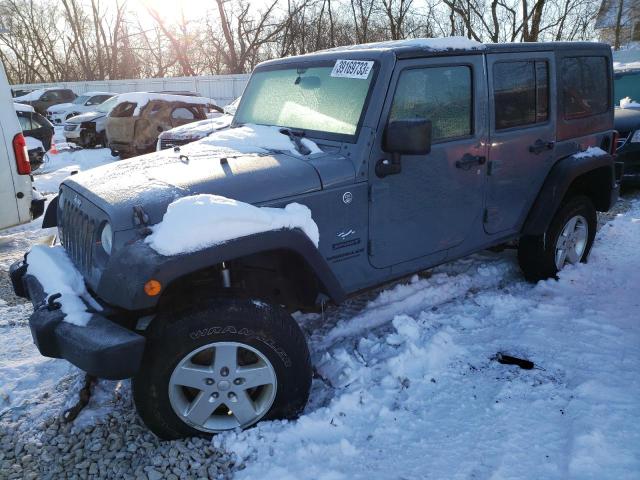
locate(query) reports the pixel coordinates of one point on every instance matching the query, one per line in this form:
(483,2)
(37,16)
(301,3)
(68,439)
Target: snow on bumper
(100,347)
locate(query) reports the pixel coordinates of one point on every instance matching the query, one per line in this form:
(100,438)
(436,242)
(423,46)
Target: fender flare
(51,215)
(122,283)
(557,184)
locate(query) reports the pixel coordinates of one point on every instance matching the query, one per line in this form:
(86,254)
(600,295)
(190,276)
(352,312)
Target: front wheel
(221,365)
(568,240)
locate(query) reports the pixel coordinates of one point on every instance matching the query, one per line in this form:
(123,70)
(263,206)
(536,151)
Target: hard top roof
(425,47)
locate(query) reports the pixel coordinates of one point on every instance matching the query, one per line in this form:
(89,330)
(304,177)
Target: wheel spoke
(561,258)
(571,226)
(201,408)
(242,408)
(226,356)
(191,376)
(255,376)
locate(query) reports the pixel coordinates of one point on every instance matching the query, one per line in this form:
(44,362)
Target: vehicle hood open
(155,180)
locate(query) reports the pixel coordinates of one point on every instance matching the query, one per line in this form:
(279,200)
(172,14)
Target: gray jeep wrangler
(427,155)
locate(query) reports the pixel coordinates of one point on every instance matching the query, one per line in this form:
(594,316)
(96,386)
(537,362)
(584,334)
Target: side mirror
(404,137)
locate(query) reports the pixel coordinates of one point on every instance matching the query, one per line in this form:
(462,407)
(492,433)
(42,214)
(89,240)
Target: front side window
(585,86)
(305,98)
(440,94)
(124,109)
(81,100)
(520,93)
(107,105)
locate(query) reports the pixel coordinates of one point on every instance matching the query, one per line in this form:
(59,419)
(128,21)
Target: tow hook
(72,413)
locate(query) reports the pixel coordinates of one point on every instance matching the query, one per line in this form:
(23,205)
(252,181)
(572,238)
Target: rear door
(435,203)
(522,135)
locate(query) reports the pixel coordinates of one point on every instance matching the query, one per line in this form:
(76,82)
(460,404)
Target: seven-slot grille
(78,236)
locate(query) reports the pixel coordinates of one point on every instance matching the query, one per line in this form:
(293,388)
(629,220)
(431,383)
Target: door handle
(468,160)
(540,146)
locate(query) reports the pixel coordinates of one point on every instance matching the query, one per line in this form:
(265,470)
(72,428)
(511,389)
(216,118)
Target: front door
(436,201)
(522,135)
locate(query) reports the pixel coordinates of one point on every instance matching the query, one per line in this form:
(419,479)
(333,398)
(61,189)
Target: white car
(86,102)
(19,203)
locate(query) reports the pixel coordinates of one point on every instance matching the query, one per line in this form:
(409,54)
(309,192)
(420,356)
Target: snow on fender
(201,221)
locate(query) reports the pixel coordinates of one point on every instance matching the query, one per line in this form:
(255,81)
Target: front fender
(122,283)
(558,182)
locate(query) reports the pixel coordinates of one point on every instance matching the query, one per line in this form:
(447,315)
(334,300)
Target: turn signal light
(152,288)
(22,157)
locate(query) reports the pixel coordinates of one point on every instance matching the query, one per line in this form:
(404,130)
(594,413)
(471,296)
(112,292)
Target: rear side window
(440,94)
(585,86)
(25,123)
(183,113)
(124,109)
(520,93)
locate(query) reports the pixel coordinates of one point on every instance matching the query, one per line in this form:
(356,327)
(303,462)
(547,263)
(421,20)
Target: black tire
(114,153)
(173,335)
(536,254)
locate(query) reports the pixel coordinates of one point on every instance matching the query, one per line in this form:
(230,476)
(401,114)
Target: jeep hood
(626,119)
(86,117)
(155,180)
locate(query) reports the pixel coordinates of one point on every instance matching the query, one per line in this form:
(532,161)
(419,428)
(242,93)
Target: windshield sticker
(352,69)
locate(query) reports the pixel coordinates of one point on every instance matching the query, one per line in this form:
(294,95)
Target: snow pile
(420,395)
(142,98)
(256,139)
(55,272)
(590,152)
(212,219)
(21,107)
(436,44)
(626,102)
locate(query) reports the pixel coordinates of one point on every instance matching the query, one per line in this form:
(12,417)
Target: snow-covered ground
(406,385)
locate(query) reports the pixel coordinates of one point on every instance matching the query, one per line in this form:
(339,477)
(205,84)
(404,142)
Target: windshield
(81,99)
(313,98)
(107,105)
(626,84)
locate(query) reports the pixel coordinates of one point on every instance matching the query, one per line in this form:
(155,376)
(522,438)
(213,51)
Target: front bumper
(72,135)
(101,348)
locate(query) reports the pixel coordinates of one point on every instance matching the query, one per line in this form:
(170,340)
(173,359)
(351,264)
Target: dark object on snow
(509,360)
(70,414)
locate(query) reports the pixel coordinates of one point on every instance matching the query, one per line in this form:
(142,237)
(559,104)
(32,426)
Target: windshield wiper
(295,137)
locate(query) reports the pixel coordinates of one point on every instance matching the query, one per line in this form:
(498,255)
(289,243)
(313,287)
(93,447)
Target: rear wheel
(221,365)
(568,240)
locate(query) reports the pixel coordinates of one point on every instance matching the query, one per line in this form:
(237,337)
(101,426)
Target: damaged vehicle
(342,170)
(136,121)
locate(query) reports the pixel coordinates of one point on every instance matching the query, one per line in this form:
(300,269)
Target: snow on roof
(34,95)
(142,98)
(213,219)
(98,93)
(21,107)
(436,44)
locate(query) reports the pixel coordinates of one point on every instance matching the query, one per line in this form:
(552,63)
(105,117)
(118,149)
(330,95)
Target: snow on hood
(21,107)
(213,219)
(199,129)
(60,107)
(626,102)
(56,273)
(256,139)
(85,117)
(438,44)
(142,98)
(590,152)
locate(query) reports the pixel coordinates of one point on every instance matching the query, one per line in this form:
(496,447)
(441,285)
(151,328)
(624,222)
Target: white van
(17,202)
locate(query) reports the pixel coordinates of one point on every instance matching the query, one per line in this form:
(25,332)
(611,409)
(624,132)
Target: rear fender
(593,176)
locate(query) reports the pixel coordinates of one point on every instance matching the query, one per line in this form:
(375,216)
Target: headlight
(635,138)
(106,238)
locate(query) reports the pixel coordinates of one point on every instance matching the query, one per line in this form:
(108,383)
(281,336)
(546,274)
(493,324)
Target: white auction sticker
(352,69)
